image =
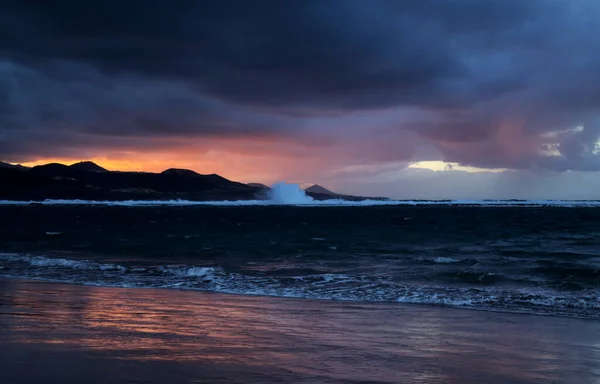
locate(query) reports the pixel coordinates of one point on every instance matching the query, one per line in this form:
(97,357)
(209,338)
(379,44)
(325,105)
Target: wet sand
(57,333)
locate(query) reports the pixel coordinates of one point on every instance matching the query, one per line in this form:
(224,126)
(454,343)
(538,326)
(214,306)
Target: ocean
(526,257)
(302,292)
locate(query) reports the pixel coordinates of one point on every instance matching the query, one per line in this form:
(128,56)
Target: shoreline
(73,333)
(516,312)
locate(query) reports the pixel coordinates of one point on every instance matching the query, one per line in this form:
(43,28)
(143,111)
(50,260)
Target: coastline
(118,335)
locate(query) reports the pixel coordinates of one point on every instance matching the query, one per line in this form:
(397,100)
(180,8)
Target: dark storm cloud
(45,110)
(324,53)
(491,78)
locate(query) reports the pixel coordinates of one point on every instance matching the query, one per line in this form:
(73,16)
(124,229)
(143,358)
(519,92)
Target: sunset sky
(408,99)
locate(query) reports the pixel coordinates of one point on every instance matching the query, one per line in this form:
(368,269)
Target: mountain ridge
(86,180)
(13,166)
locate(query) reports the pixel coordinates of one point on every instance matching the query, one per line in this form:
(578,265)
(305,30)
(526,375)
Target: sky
(407,99)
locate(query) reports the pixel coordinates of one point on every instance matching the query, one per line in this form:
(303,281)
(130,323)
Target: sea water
(539,259)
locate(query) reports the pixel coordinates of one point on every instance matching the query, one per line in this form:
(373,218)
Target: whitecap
(445,260)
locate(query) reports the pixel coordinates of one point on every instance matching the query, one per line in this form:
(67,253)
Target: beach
(72,334)
(326,191)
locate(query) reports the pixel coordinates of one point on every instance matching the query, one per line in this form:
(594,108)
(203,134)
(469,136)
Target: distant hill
(51,170)
(258,185)
(320,190)
(179,172)
(87,180)
(13,166)
(87,166)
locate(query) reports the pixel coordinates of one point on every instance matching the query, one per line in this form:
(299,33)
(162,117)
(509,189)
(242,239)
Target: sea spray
(284,193)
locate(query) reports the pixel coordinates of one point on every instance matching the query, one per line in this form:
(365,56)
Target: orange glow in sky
(239,164)
(233,167)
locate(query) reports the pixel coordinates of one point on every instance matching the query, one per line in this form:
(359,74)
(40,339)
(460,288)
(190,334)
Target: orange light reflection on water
(338,340)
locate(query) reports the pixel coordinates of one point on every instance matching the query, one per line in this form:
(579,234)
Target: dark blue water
(542,260)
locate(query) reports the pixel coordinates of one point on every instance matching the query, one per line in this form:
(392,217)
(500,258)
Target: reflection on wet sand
(335,341)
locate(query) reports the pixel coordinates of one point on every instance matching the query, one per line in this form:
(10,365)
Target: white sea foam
(332,286)
(49,263)
(434,299)
(445,260)
(207,273)
(42,261)
(538,301)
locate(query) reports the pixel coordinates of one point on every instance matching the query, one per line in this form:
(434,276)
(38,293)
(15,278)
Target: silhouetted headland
(88,181)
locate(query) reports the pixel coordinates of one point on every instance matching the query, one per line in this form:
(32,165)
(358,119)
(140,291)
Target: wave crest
(302,283)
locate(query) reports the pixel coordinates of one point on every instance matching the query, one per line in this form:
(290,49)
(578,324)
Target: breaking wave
(444,260)
(302,283)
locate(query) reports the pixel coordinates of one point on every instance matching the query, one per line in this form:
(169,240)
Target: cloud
(492,84)
(318,53)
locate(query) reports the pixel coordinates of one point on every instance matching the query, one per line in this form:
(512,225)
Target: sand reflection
(343,341)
